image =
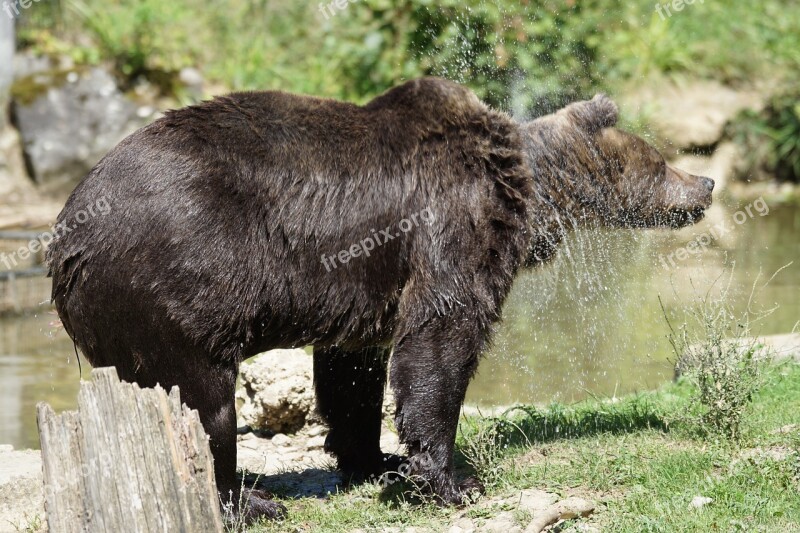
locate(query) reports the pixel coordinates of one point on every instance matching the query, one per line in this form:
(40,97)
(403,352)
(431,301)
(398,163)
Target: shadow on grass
(526,425)
(320,483)
(308,483)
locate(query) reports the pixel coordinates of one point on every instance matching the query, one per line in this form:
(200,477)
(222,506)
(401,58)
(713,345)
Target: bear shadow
(322,482)
(313,482)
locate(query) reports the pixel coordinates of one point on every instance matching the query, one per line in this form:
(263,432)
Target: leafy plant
(771,138)
(142,37)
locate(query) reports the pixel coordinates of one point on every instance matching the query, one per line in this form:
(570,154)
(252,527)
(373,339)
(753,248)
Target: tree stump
(128,459)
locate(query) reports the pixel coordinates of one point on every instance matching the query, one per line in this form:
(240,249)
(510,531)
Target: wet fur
(221,213)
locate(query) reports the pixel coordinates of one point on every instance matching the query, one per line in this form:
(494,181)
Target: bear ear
(595,114)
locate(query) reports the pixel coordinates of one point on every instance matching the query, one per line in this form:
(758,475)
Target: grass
(637,457)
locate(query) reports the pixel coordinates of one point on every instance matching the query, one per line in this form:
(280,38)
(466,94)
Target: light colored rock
(68,121)
(567,509)
(277,391)
(315,442)
(281,440)
(463,525)
(533,500)
(699,502)
(28,62)
(316,430)
(21,205)
(691,114)
(21,494)
(389,405)
(390,442)
(501,523)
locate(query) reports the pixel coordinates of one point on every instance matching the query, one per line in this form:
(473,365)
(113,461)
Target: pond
(590,323)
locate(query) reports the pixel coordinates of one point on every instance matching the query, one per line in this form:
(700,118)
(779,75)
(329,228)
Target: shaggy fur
(221,213)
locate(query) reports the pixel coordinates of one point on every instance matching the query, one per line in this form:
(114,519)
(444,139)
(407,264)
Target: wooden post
(128,459)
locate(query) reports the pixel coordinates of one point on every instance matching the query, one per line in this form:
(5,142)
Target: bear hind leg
(209,387)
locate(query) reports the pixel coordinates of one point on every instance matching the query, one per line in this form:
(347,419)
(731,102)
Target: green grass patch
(638,457)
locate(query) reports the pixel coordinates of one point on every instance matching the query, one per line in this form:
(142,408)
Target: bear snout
(693,192)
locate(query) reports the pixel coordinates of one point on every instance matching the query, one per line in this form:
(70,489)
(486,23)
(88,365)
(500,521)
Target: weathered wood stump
(129,459)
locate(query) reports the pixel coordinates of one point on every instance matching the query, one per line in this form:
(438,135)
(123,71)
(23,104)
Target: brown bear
(261,220)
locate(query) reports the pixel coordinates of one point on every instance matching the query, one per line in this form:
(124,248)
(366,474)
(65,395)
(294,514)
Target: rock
(21,495)
(68,120)
(567,509)
(502,523)
(281,440)
(14,185)
(463,525)
(28,62)
(534,500)
(390,443)
(692,114)
(315,442)
(699,502)
(277,391)
(21,205)
(315,431)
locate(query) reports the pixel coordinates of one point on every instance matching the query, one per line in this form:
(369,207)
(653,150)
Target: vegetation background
(526,57)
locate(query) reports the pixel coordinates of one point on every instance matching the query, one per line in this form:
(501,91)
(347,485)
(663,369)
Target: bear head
(616,178)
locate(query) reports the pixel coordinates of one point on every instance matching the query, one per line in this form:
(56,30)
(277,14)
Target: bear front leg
(349,387)
(430,370)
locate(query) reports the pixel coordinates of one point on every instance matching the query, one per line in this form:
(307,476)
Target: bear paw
(374,470)
(249,506)
(467,492)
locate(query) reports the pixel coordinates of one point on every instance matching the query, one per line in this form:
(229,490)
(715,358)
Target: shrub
(771,138)
(720,357)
